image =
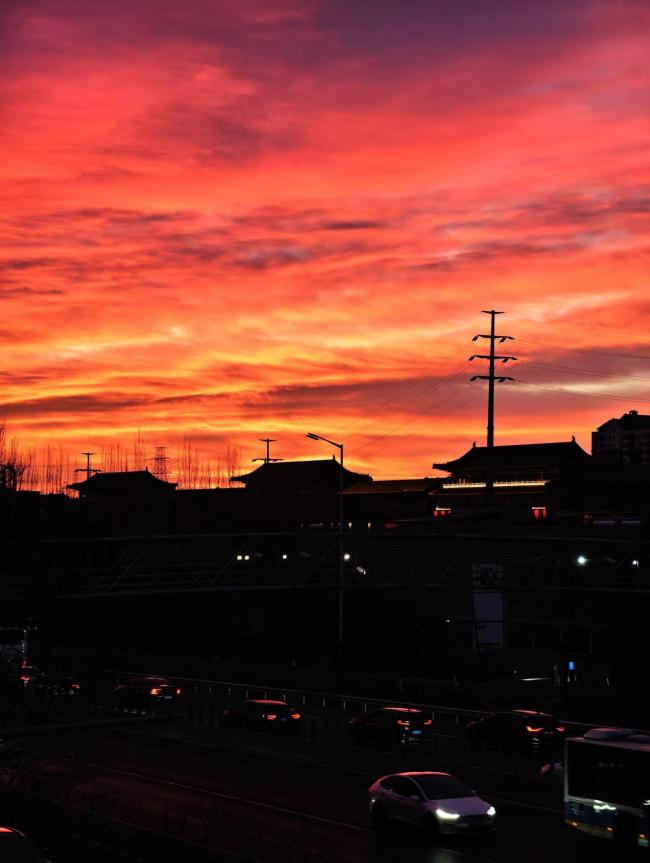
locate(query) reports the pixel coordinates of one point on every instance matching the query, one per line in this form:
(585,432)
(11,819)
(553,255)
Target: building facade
(625,440)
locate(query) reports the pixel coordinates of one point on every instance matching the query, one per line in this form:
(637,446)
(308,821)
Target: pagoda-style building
(297,494)
(522,474)
(101,486)
(316,476)
(124,502)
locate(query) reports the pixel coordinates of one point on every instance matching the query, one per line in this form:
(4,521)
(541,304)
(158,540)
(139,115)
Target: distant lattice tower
(160,463)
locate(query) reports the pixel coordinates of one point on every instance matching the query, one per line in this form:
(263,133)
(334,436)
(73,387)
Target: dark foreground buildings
(434,576)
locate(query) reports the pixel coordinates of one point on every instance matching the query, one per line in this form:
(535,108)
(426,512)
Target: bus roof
(619,738)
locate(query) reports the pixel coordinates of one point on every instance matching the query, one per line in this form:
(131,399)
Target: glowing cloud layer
(227,221)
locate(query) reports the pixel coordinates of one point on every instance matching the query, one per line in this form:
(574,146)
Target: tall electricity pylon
(491,377)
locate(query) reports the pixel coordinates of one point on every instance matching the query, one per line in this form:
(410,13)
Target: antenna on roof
(87,470)
(267,458)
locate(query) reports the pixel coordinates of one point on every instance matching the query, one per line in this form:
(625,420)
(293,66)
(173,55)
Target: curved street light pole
(339,446)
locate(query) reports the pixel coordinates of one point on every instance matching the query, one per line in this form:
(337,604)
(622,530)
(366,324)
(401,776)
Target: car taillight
(154,691)
(271,716)
(75,686)
(428,721)
(403,722)
(295,716)
(560,728)
(533,730)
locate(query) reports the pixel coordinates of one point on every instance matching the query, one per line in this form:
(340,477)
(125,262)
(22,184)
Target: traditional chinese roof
(563,453)
(122,483)
(312,475)
(631,421)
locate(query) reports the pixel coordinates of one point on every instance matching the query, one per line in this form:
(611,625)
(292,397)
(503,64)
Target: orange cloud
(227,223)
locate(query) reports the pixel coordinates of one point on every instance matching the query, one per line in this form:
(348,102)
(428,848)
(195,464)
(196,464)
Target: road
(245,803)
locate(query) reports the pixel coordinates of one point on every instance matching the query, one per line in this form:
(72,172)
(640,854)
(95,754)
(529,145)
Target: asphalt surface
(313,812)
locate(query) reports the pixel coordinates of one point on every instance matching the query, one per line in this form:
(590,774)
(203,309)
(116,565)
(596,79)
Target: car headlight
(447,816)
(492,811)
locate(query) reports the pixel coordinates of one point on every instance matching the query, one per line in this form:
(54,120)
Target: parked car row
(384,727)
(49,683)
(401,727)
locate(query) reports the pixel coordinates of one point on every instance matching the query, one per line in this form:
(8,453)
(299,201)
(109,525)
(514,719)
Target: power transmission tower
(267,458)
(87,470)
(490,377)
(160,463)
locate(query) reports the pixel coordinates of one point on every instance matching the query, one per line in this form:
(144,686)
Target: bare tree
(139,458)
(14,460)
(188,470)
(233,463)
(115,458)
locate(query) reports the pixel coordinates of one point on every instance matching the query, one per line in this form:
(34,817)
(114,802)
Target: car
(517,729)
(28,673)
(438,803)
(52,684)
(262,714)
(145,692)
(390,726)
(15,847)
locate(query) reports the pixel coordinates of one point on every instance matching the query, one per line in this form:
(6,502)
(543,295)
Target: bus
(607,785)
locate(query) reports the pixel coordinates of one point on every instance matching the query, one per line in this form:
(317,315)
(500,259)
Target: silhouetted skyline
(232,221)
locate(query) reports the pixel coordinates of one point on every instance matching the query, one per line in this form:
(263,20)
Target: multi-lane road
(256,805)
(246,803)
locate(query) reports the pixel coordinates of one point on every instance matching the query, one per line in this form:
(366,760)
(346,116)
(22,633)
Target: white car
(437,802)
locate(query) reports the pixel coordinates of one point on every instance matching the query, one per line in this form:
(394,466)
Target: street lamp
(339,446)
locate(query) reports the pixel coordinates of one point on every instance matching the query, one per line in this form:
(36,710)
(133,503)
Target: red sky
(226,221)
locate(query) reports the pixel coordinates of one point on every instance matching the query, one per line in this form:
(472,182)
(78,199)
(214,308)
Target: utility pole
(267,458)
(87,470)
(490,378)
(341,584)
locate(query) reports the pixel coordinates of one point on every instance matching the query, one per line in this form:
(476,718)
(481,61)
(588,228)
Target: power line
(396,428)
(585,350)
(399,408)
(400,403)
(553,367)
(573,392)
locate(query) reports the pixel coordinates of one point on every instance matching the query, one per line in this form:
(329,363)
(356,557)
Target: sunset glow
(227,221)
